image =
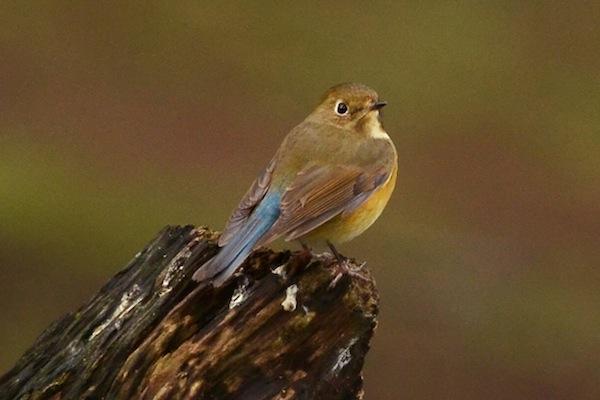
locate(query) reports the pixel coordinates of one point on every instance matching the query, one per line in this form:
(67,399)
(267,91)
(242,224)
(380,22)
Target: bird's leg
(305,247)
(306,250)
(343,266)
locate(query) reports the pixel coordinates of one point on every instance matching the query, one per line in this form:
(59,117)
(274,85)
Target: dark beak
(378,105)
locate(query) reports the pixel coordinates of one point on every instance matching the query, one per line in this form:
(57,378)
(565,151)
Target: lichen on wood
(152,333)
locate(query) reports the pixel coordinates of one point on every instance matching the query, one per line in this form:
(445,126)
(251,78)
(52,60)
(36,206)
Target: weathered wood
(152,333)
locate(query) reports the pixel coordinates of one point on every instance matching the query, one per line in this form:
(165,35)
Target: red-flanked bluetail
(329,181)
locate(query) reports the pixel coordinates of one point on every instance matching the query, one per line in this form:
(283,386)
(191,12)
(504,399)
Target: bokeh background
(119,118)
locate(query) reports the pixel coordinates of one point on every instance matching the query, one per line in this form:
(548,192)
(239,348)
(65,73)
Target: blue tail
(235,252)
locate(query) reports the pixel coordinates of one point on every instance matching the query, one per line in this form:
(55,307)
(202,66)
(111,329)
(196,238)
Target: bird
(329,181)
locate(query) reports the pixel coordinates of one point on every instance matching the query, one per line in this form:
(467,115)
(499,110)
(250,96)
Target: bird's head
(350,106)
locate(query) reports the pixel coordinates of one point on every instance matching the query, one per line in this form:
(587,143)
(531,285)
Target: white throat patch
(374,127)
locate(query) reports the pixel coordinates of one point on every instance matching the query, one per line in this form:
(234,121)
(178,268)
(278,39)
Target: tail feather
(235,252)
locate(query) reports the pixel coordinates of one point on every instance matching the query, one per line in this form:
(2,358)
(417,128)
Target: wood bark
(276,331)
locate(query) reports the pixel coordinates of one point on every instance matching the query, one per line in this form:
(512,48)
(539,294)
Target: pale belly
(345,227)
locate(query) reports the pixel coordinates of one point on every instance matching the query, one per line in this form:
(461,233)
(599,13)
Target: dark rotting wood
(276,331)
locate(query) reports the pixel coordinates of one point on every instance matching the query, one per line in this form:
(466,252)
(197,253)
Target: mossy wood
(152,333)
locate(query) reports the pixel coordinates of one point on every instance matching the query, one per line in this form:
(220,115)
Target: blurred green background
(119,118)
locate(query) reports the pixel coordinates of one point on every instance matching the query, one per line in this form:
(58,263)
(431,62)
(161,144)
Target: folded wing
(253,196)
(318,194)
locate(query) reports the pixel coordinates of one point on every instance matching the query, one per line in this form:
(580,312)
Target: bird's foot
(343,266)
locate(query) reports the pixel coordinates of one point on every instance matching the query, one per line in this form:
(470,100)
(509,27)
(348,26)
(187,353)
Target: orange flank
(346,227)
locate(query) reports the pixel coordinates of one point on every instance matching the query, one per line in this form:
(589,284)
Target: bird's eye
(341,108)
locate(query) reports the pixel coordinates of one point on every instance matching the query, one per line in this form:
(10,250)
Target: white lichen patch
(280,271)
(239,295)
(128,301)
(289,303)
(343,358)
(175,267)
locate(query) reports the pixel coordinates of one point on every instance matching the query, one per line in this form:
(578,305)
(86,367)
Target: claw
(343,267)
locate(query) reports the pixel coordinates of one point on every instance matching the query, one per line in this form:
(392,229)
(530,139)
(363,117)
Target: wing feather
(319,193)
(251,199)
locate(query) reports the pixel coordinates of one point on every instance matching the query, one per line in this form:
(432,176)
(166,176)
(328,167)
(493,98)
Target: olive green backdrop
(119,118)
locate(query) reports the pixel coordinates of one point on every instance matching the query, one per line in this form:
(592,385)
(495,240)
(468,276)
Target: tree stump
(277,331)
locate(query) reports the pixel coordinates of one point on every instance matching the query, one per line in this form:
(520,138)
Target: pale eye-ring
(341,108)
